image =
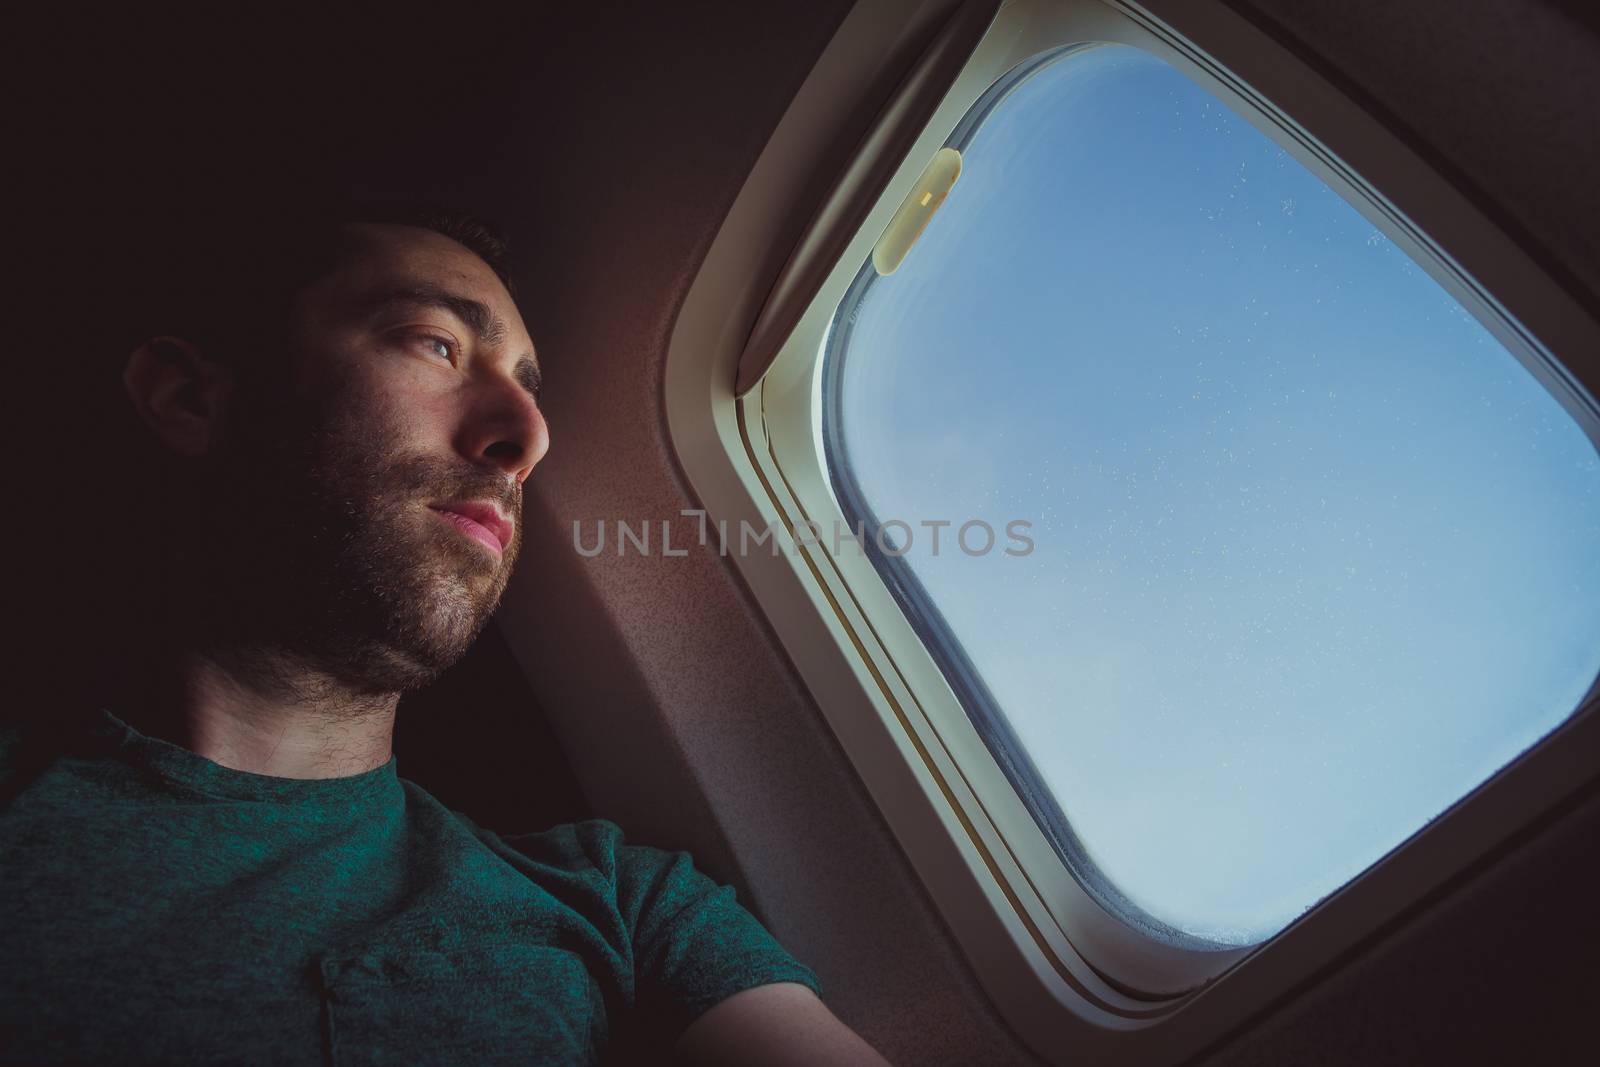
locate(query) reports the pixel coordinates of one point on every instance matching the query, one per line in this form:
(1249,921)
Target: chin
(413,653)
(445,615)
(413,604)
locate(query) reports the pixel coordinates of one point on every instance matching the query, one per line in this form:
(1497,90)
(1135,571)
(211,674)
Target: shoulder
(591,845)
(598,845)
(590,838)
(640,879)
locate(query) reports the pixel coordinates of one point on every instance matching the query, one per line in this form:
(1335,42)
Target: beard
(317,545)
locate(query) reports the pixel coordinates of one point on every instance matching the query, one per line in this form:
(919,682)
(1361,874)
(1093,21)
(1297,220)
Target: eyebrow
(479,319)
(489,327)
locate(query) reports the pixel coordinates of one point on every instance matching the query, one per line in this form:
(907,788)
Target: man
(230,869)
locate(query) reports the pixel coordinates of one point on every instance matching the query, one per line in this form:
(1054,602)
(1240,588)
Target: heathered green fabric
(158,907)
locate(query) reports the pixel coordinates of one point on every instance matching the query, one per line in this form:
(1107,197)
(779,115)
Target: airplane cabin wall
(637,656)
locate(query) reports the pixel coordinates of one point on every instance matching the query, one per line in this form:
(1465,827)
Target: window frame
(1071,979)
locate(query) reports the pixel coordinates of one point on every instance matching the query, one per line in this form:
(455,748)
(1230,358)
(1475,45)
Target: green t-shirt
(158,907)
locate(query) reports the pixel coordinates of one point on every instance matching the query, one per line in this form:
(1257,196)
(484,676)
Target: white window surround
(1029,931)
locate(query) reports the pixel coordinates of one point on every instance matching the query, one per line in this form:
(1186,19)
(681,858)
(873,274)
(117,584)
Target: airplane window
(1311,555)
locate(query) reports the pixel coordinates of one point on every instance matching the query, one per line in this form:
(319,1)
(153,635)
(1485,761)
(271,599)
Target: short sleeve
(694,945)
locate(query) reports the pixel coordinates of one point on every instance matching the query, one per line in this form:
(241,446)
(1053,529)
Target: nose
(506,428)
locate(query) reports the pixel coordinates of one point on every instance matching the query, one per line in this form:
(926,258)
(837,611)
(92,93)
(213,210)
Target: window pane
(1314,554)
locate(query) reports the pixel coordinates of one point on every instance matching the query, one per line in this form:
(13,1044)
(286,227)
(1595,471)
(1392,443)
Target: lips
(479,520)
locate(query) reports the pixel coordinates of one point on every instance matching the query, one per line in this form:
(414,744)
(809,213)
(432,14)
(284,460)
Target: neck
(270,713)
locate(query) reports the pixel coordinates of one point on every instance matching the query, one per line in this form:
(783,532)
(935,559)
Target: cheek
(401,405)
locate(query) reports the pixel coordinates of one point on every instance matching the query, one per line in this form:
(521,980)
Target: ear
(179,393)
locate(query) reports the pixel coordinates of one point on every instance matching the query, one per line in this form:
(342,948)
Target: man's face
(370,501)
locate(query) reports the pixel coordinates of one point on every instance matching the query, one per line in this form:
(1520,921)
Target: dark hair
(226,285)
(473,233)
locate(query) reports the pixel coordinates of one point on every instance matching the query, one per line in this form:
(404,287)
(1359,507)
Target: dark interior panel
(477,740)
(1498,968)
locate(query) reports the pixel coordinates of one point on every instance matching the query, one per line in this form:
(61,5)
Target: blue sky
(1315,554)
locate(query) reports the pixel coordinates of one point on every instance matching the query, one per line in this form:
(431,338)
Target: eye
(433,345)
